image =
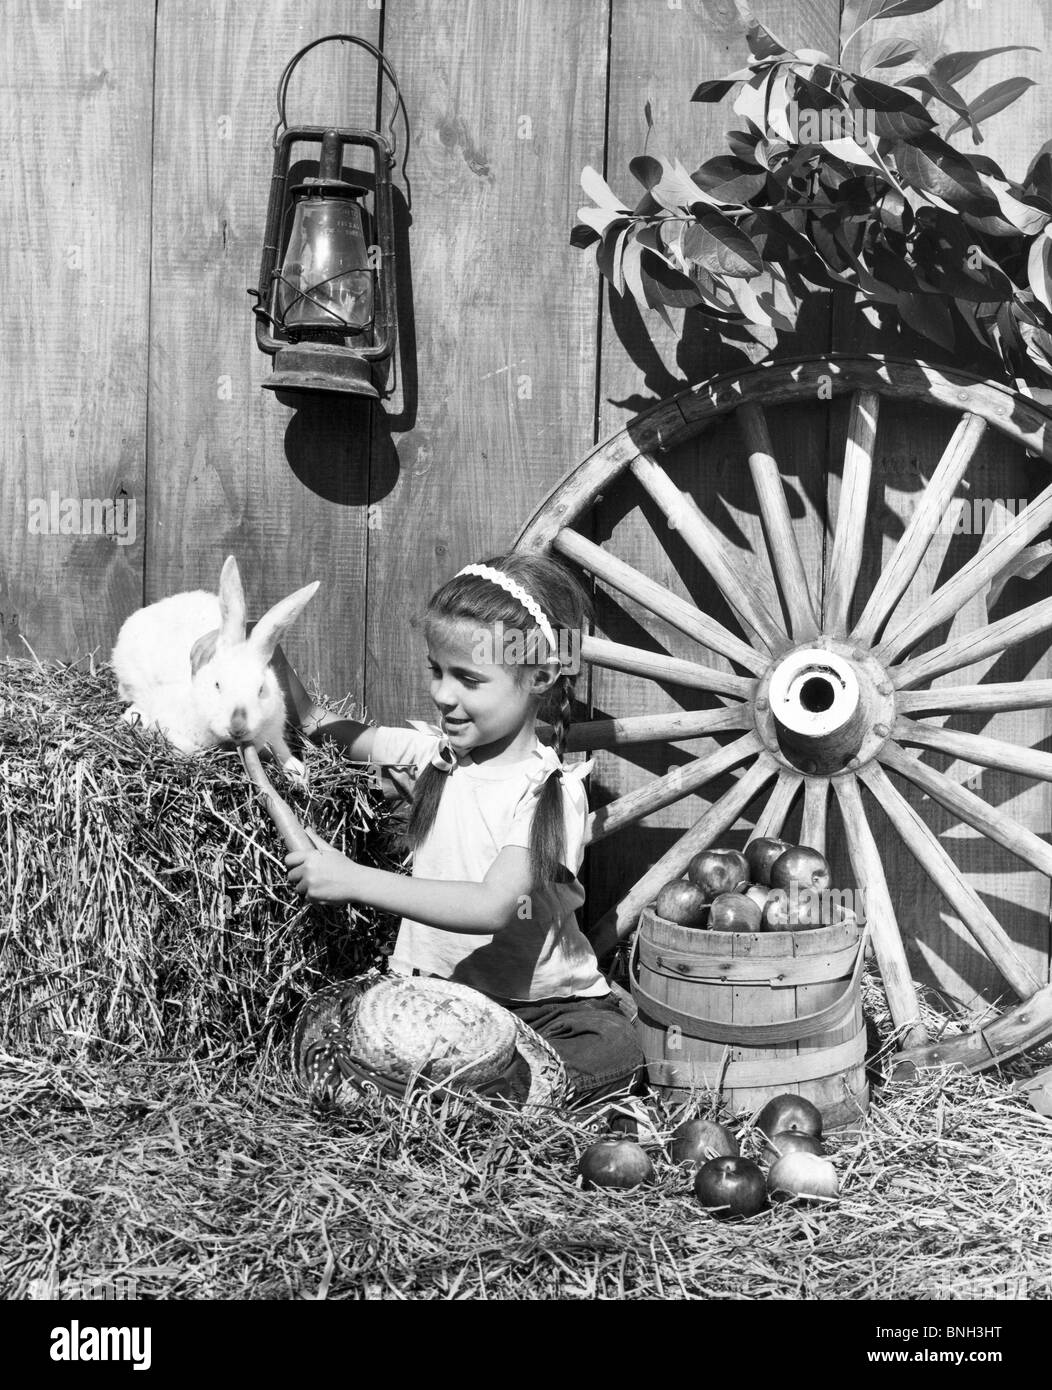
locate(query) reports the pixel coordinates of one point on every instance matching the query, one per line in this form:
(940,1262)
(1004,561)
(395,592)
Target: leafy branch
(840,178)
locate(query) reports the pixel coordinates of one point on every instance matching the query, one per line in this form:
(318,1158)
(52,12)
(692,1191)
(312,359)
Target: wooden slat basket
(787,1005)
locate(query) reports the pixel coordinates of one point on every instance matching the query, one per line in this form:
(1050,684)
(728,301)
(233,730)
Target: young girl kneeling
(497,823)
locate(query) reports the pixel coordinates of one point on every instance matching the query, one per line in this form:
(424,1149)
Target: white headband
(517,592)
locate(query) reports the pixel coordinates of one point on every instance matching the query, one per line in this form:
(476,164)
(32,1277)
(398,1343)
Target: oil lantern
(325,305)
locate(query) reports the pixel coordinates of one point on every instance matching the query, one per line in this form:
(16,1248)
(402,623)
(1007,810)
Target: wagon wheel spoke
(659,667)
(749,591)
(921,528)
(1003,695)
(994,824)
(845,557)
(657,599)
(720,816)
(775,813)
(976,748)
(816,802)
(880,914)
(983,567)
(989,640)
(947,878)
(663,791)
(594,734)
(770,490)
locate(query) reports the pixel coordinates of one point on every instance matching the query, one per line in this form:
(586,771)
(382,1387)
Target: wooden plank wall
(76,113)
(136,189)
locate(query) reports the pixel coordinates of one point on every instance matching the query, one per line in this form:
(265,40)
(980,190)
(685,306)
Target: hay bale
(144,904)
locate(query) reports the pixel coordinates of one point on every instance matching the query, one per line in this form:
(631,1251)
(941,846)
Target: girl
(497,823)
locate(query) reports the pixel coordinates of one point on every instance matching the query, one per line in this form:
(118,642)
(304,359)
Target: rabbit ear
(275,622)
(203,650)
(232,602)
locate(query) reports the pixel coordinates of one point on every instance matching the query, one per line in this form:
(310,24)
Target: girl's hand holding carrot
(323,874)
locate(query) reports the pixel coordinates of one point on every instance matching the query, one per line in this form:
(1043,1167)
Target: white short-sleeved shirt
(484,807)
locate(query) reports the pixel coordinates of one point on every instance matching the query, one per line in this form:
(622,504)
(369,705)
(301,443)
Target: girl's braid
(562,700)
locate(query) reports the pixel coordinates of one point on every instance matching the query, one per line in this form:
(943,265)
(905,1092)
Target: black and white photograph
(526,671)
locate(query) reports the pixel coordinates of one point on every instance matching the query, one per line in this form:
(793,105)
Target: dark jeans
(597,1043)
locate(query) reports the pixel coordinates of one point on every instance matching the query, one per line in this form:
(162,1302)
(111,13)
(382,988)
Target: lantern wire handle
(283,85)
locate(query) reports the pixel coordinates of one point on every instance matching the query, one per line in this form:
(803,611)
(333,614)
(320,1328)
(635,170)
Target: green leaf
(599,190)
(994,99)
(932,166)
(743,144)
(858,13)
(890,111)
(1039,175)
(648,114)
(1022,215)
(646,169)
(762,43)
(676,190)
(951,67)
(949,96)
(889,53)
(1039,268)
(730,179)
(663,285)
(929,316)
(717,88)
(714,242)
(600,219)
(582,236)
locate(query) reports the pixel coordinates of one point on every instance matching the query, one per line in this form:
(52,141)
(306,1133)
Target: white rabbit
(188,669)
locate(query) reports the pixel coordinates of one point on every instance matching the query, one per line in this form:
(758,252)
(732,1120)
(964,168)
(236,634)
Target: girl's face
(487,708)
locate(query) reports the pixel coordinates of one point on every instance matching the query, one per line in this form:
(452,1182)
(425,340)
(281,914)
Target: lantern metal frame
(306,364)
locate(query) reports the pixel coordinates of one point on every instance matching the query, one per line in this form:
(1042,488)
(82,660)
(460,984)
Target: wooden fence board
(75,109)
(232,468)
(507,105)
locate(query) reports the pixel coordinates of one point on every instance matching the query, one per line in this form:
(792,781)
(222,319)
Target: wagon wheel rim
(792,633)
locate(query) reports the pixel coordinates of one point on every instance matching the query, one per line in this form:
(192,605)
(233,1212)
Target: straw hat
(381,1032)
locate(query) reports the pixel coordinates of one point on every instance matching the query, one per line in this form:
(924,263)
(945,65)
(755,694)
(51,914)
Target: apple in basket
(735,912)
(682,902)
(614,1163)
(718,871)
(696,1141)
(789,1112)
(793,909)
(731,1187)
(761,853)
(803,866)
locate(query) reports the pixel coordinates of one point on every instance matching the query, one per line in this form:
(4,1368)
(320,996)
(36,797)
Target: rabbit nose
(239,722)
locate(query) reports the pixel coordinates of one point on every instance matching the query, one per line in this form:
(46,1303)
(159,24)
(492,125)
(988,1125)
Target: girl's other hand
(323,874)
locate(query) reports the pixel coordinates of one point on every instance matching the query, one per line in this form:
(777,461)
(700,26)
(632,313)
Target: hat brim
(322,1058)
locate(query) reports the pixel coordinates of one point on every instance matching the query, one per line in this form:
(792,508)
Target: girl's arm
(325,875)
(317,722)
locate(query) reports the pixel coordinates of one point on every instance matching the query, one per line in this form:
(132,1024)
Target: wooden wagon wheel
(822,702)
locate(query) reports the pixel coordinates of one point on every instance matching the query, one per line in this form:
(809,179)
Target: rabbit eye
(217,685)
(261,690)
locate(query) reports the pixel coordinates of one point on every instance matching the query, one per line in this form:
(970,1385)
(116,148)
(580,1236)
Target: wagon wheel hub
(825,707)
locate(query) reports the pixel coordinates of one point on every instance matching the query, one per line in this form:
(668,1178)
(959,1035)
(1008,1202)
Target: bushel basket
(755,1014)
